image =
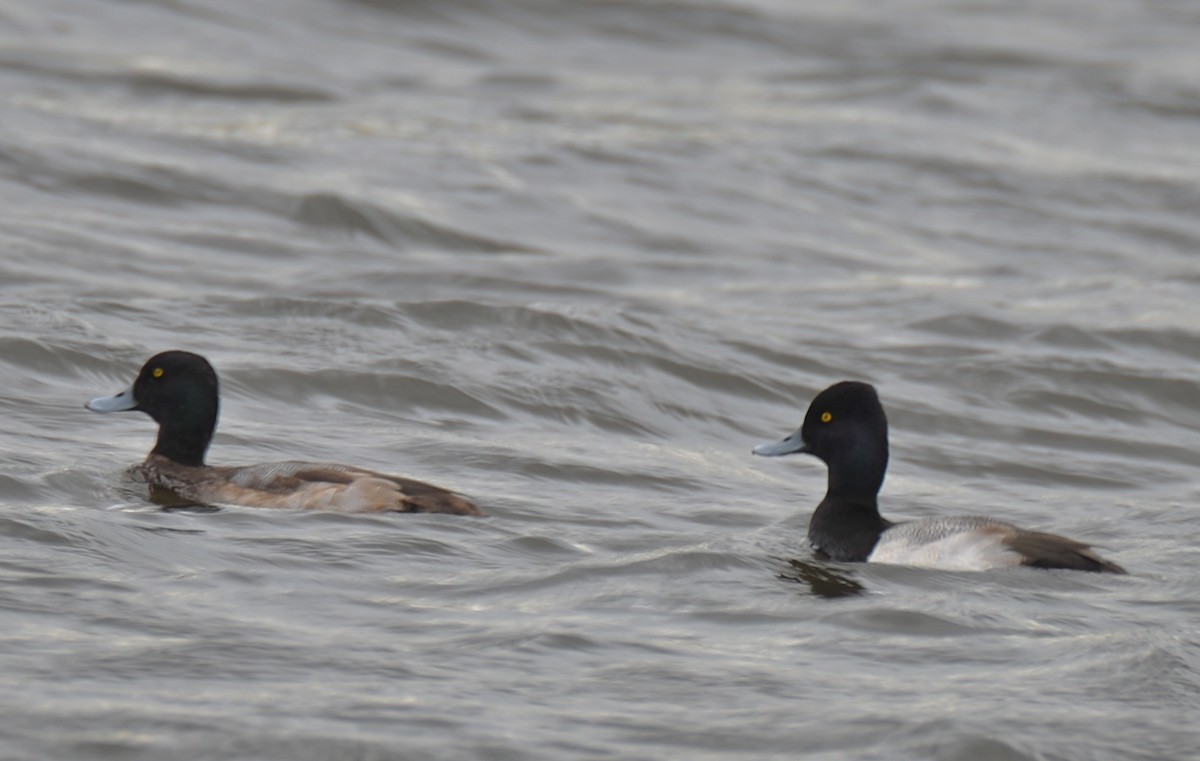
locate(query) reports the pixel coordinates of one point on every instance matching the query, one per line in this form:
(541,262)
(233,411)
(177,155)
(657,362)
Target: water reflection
(823,579)
(171,502)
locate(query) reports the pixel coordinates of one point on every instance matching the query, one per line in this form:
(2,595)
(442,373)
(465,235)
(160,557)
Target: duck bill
(122,402)
(793,444)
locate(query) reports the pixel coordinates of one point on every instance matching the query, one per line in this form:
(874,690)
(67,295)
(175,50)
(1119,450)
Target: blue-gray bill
(793,444)
(121,402)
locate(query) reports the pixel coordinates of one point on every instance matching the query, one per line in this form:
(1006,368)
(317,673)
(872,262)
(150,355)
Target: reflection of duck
(847,429)
(179,390)
(822,580)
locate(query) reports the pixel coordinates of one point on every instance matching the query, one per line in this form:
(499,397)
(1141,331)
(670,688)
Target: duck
(180,392)
(846,428)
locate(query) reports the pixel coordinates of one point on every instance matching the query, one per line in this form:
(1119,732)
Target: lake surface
(573,260)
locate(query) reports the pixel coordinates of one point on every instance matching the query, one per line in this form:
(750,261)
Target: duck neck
(185,437)
(846,529)
(847,524)
(858,475)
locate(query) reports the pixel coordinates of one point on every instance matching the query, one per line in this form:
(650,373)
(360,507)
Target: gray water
(573,259)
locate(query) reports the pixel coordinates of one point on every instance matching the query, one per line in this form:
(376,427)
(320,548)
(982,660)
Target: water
(574,260)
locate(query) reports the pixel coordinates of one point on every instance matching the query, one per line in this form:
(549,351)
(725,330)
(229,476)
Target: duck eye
(826,417)
(158,373)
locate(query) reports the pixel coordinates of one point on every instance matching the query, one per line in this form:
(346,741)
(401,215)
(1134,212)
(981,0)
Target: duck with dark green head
(846,428)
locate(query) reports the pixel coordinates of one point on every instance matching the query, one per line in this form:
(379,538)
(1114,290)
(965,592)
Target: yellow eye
(826,417)
(158,373)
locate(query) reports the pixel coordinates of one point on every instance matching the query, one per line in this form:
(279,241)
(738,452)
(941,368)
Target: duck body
(299,485)
(179,390)
(847,429)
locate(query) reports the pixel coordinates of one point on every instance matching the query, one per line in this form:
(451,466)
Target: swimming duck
(846,428)
(178,390)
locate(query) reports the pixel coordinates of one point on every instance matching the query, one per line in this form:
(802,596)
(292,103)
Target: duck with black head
(846,428)
(179,390)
